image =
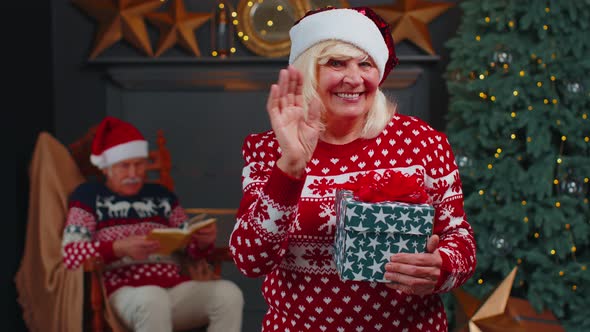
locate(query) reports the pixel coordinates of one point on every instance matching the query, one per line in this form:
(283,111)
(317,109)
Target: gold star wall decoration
(491,315)
(119,19)
(178,26)
(409,20)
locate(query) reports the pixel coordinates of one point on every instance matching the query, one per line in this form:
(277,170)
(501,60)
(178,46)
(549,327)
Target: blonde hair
(380,112)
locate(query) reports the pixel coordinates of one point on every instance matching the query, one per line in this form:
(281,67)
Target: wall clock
(263,25)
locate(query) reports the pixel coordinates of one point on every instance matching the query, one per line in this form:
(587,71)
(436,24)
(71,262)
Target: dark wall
(79,94)
(28,97)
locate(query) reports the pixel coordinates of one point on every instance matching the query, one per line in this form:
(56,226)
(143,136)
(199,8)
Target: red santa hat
(116,140)
(359,26)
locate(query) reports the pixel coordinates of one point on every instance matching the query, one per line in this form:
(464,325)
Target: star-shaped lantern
(119,19)
(409,20)
(177,26)
(489,316)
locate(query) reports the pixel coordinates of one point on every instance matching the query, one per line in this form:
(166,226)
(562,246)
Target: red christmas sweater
(285,232)
(97,217)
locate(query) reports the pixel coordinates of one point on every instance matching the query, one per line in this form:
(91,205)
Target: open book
(172,239)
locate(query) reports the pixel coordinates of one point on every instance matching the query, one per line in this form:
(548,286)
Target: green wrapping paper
(367,234)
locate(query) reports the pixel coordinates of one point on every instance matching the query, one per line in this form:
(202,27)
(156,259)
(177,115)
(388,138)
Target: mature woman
(331,123)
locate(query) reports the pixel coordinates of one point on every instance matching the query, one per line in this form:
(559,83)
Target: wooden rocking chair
(159,166)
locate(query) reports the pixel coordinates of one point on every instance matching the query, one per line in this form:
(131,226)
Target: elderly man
(111,221)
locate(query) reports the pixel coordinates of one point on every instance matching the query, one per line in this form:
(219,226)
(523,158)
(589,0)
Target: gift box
(368,233)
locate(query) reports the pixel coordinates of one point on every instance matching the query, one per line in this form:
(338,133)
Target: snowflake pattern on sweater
(285,231)
(97,217)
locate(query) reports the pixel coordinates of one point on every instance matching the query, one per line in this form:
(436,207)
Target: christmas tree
(518,123)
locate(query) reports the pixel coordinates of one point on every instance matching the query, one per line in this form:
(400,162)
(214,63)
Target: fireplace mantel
(230,74)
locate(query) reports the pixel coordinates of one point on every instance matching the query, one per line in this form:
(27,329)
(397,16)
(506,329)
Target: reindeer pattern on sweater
(98,217)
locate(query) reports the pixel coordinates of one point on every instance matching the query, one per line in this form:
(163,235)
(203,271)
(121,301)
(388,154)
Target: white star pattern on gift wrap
(366,207)
(359,228)
(348,265)
(420,207)
(391,229)
(391,236)
(386,255)
(404,217)
(361,254)
(358,275)
(402,244)
(362,242)
(373,242)
(380,216)
(415,230)
(350,212)
(377,268)
(350,243)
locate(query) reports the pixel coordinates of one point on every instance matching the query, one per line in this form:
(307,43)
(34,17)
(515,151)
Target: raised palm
(297,134)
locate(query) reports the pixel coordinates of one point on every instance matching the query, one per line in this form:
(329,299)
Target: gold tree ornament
(119,19)
(489,315)
(176,25)
(409,20)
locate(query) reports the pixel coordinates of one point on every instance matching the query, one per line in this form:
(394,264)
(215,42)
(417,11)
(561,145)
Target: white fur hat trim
(117,153)
(347,25)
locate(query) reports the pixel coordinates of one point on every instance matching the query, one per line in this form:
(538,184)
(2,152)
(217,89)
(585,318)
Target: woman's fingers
(421,289)
(283,102)
(423,272)
(409,279)
(272,103)
(415,273)
(287,92)
(290,87)
(297,79)
(283,82)
(432,243)
(295,85)
(284,85)
(314,112)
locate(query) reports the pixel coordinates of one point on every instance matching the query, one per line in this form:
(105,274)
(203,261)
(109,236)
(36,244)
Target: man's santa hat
(359,26)
(116,140)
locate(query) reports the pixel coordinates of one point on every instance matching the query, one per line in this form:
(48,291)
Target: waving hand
(297,134)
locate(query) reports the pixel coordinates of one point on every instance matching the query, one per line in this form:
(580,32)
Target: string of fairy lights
(223,9)
(264,20)
(567,184)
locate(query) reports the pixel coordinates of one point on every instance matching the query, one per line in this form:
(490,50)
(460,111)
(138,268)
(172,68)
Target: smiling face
(126,177)
(347,87)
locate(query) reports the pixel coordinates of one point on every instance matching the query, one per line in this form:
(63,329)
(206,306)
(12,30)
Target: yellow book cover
(172,239)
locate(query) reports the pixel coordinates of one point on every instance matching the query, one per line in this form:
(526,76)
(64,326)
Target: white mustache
(133,180)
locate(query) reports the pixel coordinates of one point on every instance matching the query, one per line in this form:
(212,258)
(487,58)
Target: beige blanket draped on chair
(51,296)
